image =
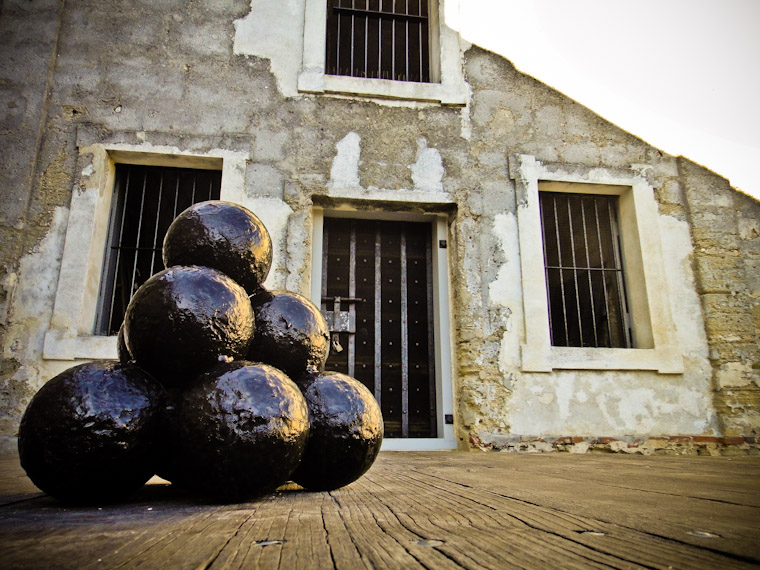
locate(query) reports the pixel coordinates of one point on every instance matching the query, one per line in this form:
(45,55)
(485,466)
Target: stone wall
(29,32)
(198,78)
(725,229)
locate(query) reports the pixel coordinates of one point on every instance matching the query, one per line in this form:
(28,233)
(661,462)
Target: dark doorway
(378,299)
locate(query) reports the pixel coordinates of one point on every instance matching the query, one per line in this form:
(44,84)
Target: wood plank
(676,477)
(616,541)
(567,535)
(415,510)
(680,517)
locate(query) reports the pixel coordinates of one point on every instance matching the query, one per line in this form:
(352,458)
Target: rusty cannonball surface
(291,333)
(346,432)
(222,235)
(183,320)
(241,429)
(88,434)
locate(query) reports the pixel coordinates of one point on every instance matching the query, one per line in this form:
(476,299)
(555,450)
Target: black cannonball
(241,431)
(183,320)
(88,434)
(346,432)
(121,347)
(222,235)
(291,333)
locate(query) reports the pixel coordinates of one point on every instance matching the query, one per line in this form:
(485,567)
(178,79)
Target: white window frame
(448,86)
(70,335)
(441,318)
(655,342)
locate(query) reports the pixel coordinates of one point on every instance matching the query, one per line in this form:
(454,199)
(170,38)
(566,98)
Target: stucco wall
(198,77)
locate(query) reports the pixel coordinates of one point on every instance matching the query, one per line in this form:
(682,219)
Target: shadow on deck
(417,510)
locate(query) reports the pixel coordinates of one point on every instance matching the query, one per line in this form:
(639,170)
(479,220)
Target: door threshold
(418,444)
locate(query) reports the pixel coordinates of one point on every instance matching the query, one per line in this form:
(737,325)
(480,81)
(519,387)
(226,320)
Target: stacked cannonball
(220,386)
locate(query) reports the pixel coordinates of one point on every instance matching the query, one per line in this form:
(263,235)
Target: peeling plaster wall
(273,30)
(209,78)
(611,403)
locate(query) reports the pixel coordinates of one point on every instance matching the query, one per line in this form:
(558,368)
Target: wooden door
(377,297)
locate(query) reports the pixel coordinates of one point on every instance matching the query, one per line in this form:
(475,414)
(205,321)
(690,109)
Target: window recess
(391,49)
(146,200)
(378,39)
(584,271)
(595,291)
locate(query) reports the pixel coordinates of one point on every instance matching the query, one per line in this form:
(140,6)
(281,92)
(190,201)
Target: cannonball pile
(219,388)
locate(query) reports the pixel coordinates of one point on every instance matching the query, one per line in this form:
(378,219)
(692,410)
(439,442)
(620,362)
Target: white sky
(683,75)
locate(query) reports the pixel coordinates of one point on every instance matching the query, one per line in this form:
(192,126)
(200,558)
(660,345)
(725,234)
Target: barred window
(380,39)
(584,271)
(146,200)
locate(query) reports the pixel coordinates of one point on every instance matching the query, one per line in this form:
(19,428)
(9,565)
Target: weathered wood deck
(417,510)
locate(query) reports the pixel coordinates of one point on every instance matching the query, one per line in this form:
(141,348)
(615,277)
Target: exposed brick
(731,440)
(606,440)
(568,440)
(705,439)
(681,438)
(663,444)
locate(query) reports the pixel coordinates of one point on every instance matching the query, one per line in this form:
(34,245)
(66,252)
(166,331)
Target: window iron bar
(135,248)
(587,224)
(393,47)
(136,241)
(366,42)
(420,40)
(139,232)
(588,273)
(561,274)
(156,223)
(117,262)
(380,43)
(575,271)
(546,270)
(406,40)
(602,263)
(353,36)
(176,199)
(581,268)
(338,36)
(622,301)
(381,13)
(192,196)
(349,54)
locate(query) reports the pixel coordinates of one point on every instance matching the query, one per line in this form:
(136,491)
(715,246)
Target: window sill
(60,345)
(317,82)
(547,358)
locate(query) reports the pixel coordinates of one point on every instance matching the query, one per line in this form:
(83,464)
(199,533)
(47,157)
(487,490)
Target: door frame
(441,315)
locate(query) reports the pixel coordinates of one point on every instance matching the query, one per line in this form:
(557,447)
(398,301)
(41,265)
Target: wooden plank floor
(417,510)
